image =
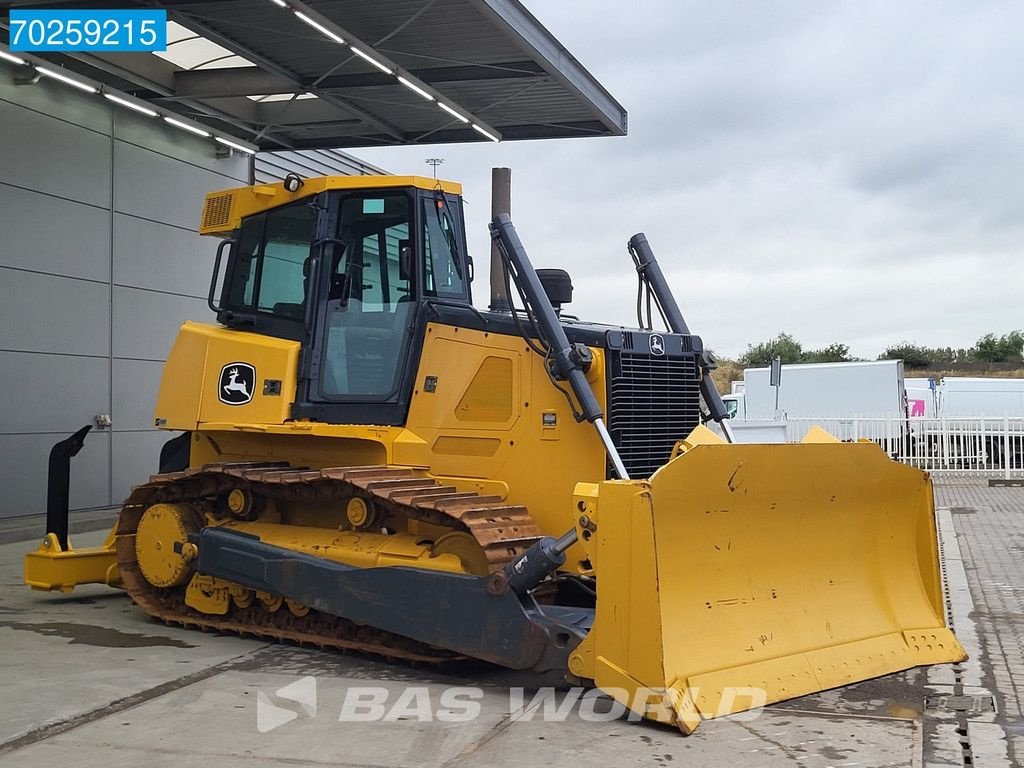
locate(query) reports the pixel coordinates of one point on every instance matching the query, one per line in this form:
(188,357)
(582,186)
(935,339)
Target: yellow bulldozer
(367,461)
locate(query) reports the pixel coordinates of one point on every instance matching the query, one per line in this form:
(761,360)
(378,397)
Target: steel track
(503,531)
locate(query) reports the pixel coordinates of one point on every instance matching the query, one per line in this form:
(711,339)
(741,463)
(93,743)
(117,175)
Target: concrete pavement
(90,680)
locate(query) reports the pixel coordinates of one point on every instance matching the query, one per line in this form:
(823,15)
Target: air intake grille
(217,212)
(653,403)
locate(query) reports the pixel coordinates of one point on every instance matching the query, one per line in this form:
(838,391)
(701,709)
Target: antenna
(435,161)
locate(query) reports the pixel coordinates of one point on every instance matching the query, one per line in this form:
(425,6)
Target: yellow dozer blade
(741,575)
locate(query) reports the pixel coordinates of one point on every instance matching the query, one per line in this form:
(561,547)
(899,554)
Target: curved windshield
(370,301)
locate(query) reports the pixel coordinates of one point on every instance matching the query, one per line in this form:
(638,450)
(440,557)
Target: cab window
(271,260)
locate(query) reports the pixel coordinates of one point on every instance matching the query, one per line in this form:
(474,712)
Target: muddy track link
(503,531)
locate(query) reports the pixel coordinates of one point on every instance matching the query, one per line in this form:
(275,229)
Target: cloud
(842,171)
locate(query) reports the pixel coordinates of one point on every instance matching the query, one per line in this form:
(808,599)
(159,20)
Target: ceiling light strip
(234,145)
(451,111)
(11,58)
(484,132)
(67,80)
(187,127)
(385,66)
(319,27)
(367,57)
(130,105)
(124,101)
(415,88)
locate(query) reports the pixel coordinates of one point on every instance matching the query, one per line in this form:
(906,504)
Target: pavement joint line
(788,750)
(991,542)
(49,730)
(985,743)
(840,715)
(496,730)
(192,754)
(949,549)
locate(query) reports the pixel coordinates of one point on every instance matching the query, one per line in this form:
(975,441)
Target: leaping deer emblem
(234,385)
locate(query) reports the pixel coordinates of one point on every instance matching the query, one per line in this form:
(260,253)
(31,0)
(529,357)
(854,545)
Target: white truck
(850,400)
(826,390)
(980,421)
(960,422)
(966,396)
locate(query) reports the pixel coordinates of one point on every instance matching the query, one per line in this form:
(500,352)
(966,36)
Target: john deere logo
(657,344)
(237,382)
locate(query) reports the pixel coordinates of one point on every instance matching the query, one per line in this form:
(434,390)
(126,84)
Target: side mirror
(405,267)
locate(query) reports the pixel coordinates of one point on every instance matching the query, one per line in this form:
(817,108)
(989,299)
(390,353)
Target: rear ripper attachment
(56,565)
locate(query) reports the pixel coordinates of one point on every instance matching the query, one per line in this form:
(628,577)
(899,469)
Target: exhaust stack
(501,202)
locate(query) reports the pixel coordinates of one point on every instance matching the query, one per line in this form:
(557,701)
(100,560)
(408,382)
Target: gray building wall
(99,266)
(274,166)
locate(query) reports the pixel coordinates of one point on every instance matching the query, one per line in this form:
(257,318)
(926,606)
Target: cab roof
(224,209)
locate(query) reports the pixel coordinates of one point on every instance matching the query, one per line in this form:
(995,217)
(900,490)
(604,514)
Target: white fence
(987,446)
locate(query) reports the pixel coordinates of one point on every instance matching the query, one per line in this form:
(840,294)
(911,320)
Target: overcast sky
(842,171)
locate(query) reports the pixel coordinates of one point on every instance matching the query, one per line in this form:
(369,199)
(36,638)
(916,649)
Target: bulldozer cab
(347,272)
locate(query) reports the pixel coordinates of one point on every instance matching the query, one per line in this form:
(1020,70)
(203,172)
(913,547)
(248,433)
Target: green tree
(912,355)
(783,345)
(950,355)
(999,349)
(833,353)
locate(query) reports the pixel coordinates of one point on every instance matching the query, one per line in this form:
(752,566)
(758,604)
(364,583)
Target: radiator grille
(217,212)
(653,403)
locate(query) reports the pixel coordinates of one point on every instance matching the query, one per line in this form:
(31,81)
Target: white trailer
(980,417)
(827,390)
(966,396)
(835,393)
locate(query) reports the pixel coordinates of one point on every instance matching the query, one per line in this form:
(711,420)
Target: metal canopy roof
(284,74)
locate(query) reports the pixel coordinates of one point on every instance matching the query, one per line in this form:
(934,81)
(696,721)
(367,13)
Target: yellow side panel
(489,397)
(192,390)
(482,447)
(182,381)
(217,443)
(485,420)
(464,364)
